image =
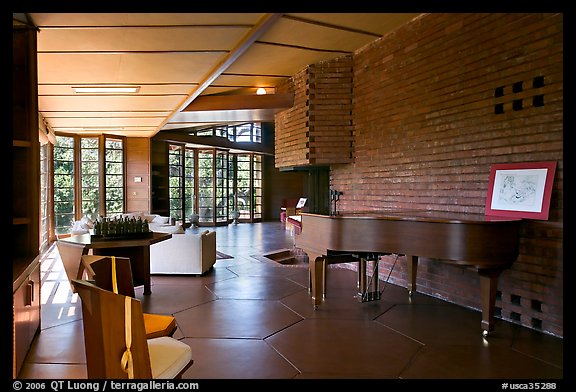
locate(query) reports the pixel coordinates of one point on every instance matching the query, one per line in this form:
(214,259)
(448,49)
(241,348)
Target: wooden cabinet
(25,193)
(26,313)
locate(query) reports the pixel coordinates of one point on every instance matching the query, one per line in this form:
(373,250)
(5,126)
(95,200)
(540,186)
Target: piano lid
(420,215)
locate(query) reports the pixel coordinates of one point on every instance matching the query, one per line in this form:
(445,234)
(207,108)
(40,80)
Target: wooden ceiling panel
(111,114)
(145,89)
(301,34)
(378,23)
(92,121)
(177,57)
(263,59)
(71,68)
(77,68)
(107,103)
(128,132)
(146,39)
(143,19)
(166,67)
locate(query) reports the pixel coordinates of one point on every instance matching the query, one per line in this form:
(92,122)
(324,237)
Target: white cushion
(176,229)
(87,222)
(149,218)
(168,356)
(161,219)
(79,227)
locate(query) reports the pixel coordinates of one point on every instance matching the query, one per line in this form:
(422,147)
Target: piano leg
(488,287)
(318,272)
(361,276)
(317,280)
(412,264)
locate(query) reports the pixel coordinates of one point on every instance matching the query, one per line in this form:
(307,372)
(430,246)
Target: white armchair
(186,253)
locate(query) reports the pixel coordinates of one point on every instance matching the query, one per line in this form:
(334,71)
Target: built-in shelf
(21,143)
(25,195)
(20,221)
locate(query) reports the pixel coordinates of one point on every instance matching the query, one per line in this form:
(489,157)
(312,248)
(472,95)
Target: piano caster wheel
(410,292)
(485,333)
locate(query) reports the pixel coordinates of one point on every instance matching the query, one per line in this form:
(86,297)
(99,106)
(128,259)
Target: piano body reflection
(488,244)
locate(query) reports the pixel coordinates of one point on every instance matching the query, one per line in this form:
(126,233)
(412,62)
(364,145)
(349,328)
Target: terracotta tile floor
(253,319)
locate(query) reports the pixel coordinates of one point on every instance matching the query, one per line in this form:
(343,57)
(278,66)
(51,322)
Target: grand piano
(488,244)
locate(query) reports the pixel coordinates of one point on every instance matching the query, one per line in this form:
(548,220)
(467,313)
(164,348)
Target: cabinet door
(26,317)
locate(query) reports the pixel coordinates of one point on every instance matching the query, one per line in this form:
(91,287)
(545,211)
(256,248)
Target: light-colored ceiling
(177,59)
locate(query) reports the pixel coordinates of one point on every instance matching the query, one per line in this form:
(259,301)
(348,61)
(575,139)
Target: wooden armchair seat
(115,274)
(115,339)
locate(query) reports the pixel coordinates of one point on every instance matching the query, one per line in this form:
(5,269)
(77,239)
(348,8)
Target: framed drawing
(520,190)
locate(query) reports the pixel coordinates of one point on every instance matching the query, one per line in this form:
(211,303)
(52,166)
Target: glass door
(221,178)
(206,186)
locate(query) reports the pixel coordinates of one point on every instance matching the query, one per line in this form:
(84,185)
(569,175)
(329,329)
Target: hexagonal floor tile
(347,348)
(255,287)
(236,359)
(235,319)
(172,298)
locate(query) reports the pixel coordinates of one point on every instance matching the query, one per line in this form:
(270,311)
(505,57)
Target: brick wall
(438,101)
(318,129)
(290,142)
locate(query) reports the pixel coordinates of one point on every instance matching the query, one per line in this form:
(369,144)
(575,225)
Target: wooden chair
(71,256)
(76,264)
(115,339)
(115,274)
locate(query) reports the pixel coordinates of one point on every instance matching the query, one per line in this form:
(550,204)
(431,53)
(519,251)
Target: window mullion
(182,182)
(252,201)
(77,179)
(124,175)
(214,195)
(102,174)
(196,209)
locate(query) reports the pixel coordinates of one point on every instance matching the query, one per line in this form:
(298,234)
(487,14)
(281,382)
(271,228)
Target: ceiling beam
(235,102)
(184,118)
(256,32)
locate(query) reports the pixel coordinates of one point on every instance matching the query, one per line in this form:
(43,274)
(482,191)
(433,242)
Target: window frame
(212,209)
(76,148)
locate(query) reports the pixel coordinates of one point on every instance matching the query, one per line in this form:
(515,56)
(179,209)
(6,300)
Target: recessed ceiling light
(105,89)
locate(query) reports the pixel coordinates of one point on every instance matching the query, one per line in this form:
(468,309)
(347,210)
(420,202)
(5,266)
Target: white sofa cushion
(149,218)
(171,229)
(161,220)
(190,253)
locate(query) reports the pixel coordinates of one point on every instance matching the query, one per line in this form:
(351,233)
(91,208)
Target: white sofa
(188,253)
(184,253)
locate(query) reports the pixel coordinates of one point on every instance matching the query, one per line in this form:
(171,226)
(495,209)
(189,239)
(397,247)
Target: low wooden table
(137,250)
